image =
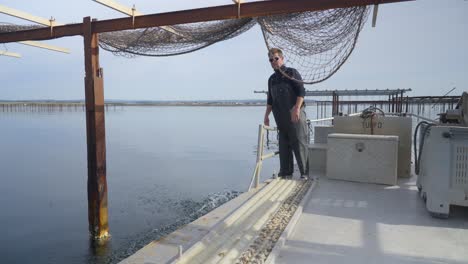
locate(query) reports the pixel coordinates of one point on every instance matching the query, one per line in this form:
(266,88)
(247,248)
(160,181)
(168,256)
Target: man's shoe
(284,175)
(304,177)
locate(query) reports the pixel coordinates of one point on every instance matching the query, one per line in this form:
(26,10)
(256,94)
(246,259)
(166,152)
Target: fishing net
(8,27)
(175,40)
(315,43)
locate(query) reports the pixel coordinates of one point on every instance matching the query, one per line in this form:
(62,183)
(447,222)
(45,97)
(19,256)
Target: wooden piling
(407,102)
(95,133)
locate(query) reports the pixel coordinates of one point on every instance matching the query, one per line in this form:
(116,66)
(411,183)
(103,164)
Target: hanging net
(8,27)
(173,40)
(315,43)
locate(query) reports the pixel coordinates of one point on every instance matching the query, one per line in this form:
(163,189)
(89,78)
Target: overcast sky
(422,45)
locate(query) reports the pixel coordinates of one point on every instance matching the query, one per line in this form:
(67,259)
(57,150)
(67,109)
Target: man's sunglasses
(274,59)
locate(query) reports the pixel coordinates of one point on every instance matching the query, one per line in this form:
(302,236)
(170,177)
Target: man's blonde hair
(273,51)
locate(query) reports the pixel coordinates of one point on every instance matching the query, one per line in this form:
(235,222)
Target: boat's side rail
(254,183)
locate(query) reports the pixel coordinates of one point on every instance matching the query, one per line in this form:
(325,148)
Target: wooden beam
(26,16)
(42,33)
(44,46)
(119,8)
(39,20)
(9,54)
(131,12)
(95,134)
(252,9)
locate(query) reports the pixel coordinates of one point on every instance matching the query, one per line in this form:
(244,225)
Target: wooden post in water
(95,133)
(407,102)
(401,101)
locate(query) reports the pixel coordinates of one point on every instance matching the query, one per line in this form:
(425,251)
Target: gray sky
(420,45)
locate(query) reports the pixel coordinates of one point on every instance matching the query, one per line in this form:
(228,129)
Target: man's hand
(295,114)
(266,121)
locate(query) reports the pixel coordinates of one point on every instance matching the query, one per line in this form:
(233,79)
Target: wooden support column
(397,106)
(334,104)
(389,108)
(95,133)
(407,102)
(396,102)
(401,101)
(337,104)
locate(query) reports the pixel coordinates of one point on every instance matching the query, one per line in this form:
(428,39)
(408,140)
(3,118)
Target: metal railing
(255,182)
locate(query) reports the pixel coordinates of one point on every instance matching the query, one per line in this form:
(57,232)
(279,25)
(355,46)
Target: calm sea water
(164,164)
(165,167)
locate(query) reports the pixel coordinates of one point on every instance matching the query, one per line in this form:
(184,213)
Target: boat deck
(346,222)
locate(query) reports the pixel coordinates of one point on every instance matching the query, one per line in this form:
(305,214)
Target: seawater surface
(166,166)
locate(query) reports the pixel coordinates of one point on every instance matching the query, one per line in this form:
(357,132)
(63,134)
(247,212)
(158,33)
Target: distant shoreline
(73,103)
(113,103)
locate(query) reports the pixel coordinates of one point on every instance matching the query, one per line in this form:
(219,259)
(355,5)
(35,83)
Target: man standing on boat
(286,100)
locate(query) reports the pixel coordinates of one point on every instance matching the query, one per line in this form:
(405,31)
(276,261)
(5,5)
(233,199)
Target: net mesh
(315,43)
(179,40)
(8,27)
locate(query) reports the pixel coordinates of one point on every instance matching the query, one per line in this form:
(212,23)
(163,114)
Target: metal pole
(257,181)
(95,134)
(259,155)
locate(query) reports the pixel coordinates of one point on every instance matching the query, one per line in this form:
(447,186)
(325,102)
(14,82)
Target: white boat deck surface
(346,222)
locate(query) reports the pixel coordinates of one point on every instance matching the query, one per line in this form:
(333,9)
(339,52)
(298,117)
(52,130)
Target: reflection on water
(166,166)
(100,250)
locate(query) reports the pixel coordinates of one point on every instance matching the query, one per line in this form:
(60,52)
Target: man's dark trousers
(293,139)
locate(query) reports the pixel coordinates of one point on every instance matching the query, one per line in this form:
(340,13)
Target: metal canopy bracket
(238,2)
(134,12)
